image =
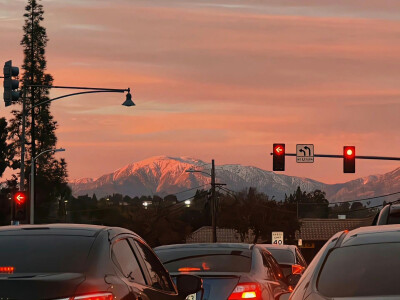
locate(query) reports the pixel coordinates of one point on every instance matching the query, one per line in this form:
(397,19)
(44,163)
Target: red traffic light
(349,159)
(20,198)
(349,151)
(278,157)
(279,149)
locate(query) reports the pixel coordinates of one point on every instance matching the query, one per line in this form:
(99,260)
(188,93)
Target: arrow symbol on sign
(304,152)
(309,150)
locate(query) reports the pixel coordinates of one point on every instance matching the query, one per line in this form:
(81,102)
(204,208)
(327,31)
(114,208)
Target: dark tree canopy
(51,180)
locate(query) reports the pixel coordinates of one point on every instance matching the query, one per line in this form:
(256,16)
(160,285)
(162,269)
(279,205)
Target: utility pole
(213,204)
(213,198)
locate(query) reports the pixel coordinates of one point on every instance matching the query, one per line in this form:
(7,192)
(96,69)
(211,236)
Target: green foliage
(309,205)
(51,181)
(255,211)
(6,150)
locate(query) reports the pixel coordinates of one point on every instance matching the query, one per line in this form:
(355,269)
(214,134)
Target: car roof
(372,235)
(61,229)
(278,247)
(230,246)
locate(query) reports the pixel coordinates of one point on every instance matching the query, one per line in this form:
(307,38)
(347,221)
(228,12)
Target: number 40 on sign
(277,237)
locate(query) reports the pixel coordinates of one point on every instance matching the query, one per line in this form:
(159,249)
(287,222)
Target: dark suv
(71,262)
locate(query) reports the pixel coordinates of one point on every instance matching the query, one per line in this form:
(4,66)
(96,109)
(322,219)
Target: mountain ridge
(164,175)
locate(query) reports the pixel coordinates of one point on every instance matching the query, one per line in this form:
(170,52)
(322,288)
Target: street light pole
(87,90)
(32,197)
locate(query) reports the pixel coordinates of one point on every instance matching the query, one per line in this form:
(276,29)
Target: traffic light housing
(20,206)
(10,85)
(349,159)
(278,155)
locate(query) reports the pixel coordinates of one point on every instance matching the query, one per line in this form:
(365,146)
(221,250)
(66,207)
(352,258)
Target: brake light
(99,296)
(297,269)
(246,290)
(188,269)
(94,296)
(7,270)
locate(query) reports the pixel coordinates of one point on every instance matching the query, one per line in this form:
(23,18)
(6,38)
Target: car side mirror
(188,284)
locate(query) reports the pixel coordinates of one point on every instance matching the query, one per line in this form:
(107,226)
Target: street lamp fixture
(32,198)
(128,102)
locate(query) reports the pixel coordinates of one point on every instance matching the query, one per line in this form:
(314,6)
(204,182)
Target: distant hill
(163,175)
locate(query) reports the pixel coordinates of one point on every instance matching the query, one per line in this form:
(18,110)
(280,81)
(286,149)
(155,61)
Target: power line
(349,201)
(191,189)
(370,198)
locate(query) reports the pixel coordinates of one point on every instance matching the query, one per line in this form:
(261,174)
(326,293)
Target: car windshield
(282,256)
(206,260)
(45,253)
(364,270)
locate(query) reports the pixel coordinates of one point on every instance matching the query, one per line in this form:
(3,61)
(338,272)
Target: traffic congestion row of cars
(84,262)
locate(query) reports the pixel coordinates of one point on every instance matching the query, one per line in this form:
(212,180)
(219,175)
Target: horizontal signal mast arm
(341,156)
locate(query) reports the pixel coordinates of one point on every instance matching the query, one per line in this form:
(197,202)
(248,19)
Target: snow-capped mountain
(163,175)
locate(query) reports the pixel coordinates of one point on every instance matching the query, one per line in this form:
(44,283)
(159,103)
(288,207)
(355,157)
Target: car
(389,214)
(361,264)
(71,262)
(289,259)
(229,270)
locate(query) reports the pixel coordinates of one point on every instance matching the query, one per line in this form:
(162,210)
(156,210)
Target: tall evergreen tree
(51,173)
(5,149)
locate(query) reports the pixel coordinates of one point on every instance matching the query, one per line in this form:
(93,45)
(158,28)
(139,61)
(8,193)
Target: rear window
(206,260)
(45,253)
(364,270)
(282,256)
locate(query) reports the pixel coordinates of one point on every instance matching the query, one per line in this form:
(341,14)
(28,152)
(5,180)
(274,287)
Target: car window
(275,267)
(283,256)
(267,267)
(160,278)
(45,253)
(362,270)
(124,258)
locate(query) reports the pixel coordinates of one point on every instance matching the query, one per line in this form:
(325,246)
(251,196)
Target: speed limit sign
(277,237)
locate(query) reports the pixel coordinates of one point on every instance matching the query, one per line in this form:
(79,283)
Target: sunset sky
(221,79)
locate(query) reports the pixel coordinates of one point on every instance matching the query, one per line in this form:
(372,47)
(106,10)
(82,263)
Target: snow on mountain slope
(163,175)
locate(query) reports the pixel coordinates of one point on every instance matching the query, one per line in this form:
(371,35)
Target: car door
(130,270)
(160,285)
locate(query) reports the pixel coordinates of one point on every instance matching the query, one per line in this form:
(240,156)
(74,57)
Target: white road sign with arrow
(305,153)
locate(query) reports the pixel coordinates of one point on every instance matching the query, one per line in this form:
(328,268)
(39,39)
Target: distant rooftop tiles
(324,229)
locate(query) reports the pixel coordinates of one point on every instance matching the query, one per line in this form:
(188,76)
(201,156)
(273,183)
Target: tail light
(246,290)
(187,269)
(7,270)
(94,296)
(297,269)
